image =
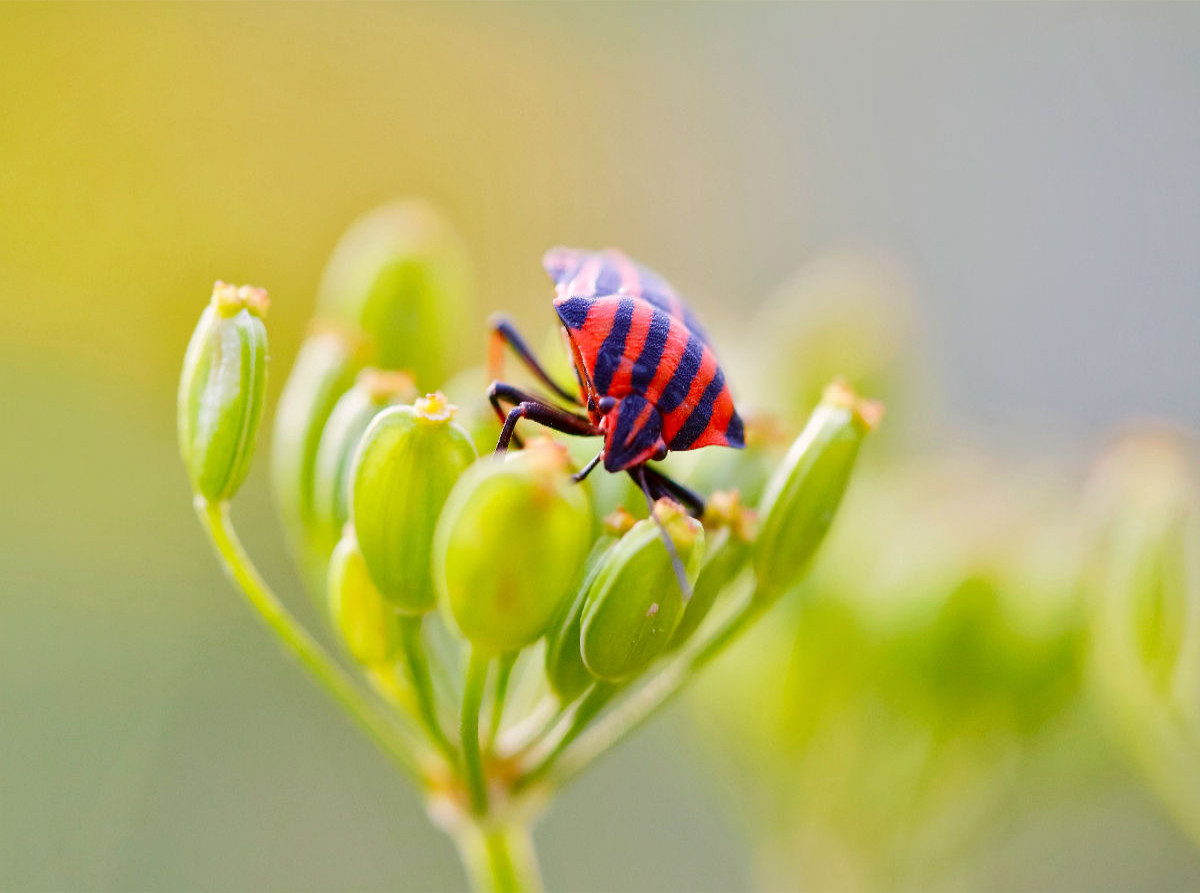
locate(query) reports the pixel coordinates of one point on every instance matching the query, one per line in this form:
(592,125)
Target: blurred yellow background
(1030,169)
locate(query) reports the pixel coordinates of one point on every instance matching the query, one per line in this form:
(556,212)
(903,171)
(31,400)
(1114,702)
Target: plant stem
(521,738)
(593,702)
(418,669)
(370,714)
(499,858)
(503,675)
(477,671)
(639,706)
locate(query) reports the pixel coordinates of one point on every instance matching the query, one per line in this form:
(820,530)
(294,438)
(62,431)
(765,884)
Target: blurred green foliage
(896,721)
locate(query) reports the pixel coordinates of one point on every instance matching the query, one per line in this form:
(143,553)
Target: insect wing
(596,274)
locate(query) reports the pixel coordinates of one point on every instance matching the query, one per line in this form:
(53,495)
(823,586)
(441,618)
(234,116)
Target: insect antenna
(676,561)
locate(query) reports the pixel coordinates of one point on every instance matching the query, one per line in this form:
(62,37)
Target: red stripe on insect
(702,379)
(635,340)
(591,337)
(714,433)
(672,355)
(638,423)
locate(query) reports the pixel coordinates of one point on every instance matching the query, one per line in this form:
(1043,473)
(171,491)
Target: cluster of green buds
(497,631)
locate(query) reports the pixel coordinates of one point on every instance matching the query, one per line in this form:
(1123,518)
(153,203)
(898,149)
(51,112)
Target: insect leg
(661,485)
(587,469)
(503,332)
(500,393)
(530,406)
(640,476)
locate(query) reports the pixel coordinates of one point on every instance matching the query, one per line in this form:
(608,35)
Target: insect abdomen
(632,347)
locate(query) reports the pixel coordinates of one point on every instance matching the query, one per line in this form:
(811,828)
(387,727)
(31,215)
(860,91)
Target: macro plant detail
(503,619)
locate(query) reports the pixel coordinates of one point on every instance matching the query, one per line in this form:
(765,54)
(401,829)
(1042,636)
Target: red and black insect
(647,375)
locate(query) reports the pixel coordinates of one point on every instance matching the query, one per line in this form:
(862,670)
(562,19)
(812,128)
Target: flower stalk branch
(378,723)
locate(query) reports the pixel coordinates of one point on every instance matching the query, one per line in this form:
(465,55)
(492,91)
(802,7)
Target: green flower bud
(367,622)
(726,557)
(1145,500)
(399,276)
(511,546)
(565,670)
(1145,587)
(374,391)
(634,605)
(221,390)
(405,467)
(325,367)
(567,673)
(803,494)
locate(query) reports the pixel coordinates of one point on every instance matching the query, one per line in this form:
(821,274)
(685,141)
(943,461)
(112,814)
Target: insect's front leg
(530,406)
(504,333)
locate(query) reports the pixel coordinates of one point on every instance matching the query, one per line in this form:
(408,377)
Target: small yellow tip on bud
(868,413)
(764,429)
(435,408)
(385,387)
(725,509)
(619,522)
(546,455)
(681,526)
(231,299)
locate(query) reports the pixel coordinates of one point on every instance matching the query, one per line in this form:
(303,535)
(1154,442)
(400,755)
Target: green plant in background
(502,626)
(882,724)
(1144,512)
(939,672)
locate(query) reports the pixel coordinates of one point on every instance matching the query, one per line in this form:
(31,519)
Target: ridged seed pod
(406,465)
(221,390)
(399,276)
(511,546)
(374,391)
(634,604)
(325,367)
(566,672)
(721,567)
(366,621)
(804,493)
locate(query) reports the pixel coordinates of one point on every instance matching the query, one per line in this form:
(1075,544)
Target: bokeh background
(1028,172)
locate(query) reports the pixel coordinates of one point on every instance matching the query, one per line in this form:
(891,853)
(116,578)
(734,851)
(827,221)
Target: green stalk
(499,858)
(525,735)
(418,669)
(477,671)
(503,675)
(370,714)
(593,702)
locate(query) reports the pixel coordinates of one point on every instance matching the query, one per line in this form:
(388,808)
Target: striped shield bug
(648,378)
